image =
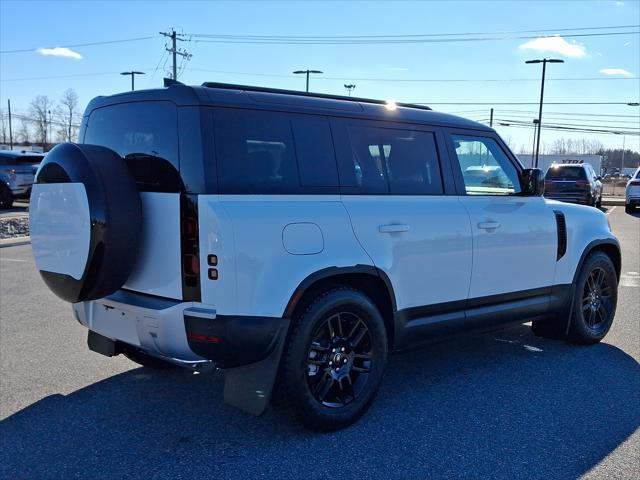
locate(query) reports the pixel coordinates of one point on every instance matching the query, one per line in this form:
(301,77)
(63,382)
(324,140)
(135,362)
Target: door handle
(393,228)
(489,225)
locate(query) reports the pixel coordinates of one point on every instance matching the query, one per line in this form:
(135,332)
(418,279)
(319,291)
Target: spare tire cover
(85,220)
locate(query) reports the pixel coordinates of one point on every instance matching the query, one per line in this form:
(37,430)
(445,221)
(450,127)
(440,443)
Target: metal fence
(614,187)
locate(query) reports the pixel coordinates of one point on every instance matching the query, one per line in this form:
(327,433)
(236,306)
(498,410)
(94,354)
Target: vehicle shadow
(503,404)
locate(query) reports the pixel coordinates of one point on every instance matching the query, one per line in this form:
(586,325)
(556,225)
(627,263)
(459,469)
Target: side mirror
(532,182)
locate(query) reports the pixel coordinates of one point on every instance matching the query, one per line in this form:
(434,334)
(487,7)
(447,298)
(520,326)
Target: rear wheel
(599,202)
(629,208)
(6,197)
(334,360)
(595,300)
(148,361)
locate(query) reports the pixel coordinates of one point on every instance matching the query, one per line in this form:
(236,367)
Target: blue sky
(26,24)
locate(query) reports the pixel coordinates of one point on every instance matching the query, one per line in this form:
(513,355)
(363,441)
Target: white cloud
(555,44)
(619,4)
(626,44)
(615,71)
(60,52)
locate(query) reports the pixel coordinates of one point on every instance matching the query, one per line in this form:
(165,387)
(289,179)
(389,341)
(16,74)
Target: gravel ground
(14,227)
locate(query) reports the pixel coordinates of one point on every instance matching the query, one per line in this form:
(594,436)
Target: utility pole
(174,51)
(133,73)
(544,62)
(307,72)
(349,87)
(491,118)
(533,148)
(10,131)
(49,137)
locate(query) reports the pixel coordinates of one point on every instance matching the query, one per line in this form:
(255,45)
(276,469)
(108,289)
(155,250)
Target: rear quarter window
(261,152)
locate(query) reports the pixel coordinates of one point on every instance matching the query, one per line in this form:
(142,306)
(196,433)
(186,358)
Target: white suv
(301,238)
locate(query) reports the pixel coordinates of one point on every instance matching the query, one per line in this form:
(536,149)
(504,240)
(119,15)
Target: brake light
(195,337)
(190,248)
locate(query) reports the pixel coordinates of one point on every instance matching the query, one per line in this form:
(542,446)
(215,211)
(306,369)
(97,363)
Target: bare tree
(67,111)
(40,113)
(24,133)
(3,126)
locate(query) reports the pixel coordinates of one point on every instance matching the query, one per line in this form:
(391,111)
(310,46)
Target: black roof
(244,96)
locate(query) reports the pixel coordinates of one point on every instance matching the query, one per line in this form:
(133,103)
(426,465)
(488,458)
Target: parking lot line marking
(612,209)
(630,279)
(11,260)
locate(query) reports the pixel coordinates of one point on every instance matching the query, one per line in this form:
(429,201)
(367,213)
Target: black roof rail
(251,88)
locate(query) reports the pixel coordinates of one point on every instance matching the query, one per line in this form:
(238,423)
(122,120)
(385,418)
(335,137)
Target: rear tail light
(634,183)
(190,248)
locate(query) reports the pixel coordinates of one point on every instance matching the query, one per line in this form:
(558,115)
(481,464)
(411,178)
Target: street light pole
(133,73)
(544,62)
(307,72)
(349,87)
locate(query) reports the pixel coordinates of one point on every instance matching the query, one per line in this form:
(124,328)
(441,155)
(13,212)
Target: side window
(364,172)
(314,149)
(486,170)
(261,152)
(412,162)
(390,161)
(255,153)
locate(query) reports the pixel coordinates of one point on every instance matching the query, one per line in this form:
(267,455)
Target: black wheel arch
(609,246)
(369,279)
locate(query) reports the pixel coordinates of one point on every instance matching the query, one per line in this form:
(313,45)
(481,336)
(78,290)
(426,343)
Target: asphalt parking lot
(502,404)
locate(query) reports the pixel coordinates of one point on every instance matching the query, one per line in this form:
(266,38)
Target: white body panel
(257,275)
(158,330)
(60,228)
(520,253)
(584,225)
(158,269)
(422,243)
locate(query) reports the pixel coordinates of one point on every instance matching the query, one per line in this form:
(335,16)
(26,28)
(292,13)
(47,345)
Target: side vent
(561,225)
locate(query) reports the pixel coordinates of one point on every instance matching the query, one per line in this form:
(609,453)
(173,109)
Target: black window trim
(455,165)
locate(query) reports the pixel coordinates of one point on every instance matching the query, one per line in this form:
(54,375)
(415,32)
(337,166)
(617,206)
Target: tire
(110,228)
(6,196)
(148,361)
(341,327)
(599,202)
(595,299)
(629,208)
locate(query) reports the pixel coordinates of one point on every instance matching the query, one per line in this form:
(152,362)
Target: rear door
(145,134)
(514,237)
(392,187)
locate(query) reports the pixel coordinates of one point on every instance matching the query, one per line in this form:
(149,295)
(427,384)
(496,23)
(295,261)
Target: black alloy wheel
(334,359)
(339,359)
(595,299)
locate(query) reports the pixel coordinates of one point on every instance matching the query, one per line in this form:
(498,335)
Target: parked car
(632,192)
(573,183)
(305,236)
(17,170)
(6,196)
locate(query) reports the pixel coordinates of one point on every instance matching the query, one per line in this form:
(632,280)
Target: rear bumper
(185,333)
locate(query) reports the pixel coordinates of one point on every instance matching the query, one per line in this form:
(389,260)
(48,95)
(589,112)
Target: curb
(14,242)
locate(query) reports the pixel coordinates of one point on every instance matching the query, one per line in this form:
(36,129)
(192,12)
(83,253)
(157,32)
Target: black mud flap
(249,387)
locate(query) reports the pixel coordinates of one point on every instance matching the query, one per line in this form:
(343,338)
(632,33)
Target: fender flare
(334,271)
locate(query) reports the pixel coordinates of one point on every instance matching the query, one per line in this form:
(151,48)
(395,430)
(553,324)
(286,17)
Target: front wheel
(595,300)
(334,360)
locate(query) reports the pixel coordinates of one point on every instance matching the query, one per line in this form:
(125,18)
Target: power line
(204,38)
(447,34)
(512,120)
(90,44)
(519,103)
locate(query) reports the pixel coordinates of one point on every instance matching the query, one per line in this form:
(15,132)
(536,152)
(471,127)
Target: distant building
(545,161)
